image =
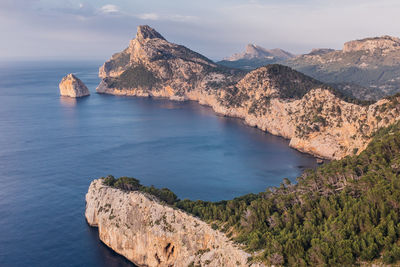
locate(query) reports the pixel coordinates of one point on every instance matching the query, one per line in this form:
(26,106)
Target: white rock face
(149,233)
(71,86)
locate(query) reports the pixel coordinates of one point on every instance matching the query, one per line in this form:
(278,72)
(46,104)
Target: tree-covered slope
(343,213)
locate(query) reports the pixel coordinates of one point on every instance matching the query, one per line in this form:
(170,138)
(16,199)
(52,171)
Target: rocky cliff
(274,98)
(71,86)
(149,233)
(385,43)
(366,69)
(153,66)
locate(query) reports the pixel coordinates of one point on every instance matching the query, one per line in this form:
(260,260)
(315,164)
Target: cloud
(214,28)
(182,18)
(149,16)
(167,17)
(109,9)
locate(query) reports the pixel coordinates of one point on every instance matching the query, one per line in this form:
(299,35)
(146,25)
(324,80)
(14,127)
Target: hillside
(345,212)
(316,118)
(366,69)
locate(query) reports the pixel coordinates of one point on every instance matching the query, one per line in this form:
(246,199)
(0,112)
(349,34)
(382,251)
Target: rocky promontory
(72,86)
(150,233)
(275,98)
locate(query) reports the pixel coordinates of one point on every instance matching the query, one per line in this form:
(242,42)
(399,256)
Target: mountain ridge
(256,51)
(255,56)
(367,69)
(274,98)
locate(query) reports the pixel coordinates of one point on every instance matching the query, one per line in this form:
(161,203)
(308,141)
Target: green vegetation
(133,184)
(119,60)
(343,213)
(291,83)
(134,77)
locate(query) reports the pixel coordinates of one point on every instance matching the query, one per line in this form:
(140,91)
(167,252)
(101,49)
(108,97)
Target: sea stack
(71,86)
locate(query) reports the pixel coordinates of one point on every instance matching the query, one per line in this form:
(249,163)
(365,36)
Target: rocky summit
(314,117)
(385,43)
(153,66)
(71,86)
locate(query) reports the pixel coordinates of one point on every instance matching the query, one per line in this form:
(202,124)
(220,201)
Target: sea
(52,147)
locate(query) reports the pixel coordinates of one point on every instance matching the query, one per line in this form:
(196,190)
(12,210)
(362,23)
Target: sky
(95,29)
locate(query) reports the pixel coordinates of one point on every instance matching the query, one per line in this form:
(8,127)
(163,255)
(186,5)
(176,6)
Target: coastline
(147,232)
(248,120)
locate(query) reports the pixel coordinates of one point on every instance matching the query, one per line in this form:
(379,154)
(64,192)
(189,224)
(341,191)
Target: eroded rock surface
(148,233)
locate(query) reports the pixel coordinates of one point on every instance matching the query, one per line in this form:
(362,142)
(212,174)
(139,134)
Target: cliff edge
(149,233)
(275,98)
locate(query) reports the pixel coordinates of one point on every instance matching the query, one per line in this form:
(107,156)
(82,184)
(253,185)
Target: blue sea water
(51,147)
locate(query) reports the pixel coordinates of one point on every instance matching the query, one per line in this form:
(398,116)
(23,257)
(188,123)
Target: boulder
(71,86)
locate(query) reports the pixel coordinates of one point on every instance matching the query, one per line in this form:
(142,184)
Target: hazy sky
(95,29)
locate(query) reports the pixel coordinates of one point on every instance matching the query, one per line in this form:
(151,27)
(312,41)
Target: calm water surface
(51,147)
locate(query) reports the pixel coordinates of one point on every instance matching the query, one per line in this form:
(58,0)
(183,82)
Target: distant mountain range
(256,56)
(367,69)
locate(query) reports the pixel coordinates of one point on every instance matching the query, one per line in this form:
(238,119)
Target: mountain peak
(252,49)
(255,56)
(251,46)
(147,32)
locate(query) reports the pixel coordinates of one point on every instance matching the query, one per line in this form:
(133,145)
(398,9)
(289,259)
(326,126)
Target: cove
(52,147)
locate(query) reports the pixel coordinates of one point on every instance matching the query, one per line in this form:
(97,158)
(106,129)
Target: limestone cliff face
(274,98)
(316,121)
(71,86)
(386,42)
(149,233)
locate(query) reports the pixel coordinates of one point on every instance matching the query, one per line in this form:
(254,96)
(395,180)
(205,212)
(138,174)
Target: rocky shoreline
(273,98)
(328,145)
